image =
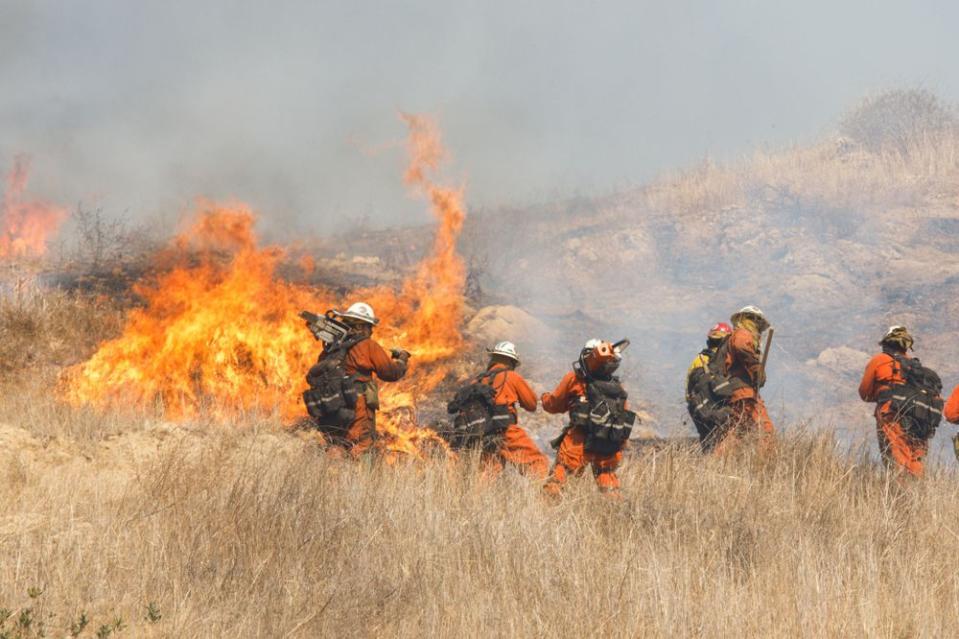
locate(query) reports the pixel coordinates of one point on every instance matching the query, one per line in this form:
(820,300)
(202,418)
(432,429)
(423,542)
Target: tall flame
(25,226)
(219,330)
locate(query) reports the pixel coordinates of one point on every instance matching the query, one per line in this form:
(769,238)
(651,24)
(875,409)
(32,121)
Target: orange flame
(219,330)
(26,226)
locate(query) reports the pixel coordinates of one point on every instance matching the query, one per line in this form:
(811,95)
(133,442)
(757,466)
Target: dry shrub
(898,120)
(244,531)
(43,328)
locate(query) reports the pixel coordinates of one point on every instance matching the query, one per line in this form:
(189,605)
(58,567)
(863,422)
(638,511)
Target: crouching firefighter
(908,399)
(486,419)
(742,366)
(343,398)
(599,418)
(707,404)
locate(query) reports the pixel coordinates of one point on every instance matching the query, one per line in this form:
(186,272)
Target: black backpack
(708,409)
(478,419)
(918,403)
(331,398)
(603,415)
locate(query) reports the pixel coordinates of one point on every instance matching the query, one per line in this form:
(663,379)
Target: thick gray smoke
(141,106)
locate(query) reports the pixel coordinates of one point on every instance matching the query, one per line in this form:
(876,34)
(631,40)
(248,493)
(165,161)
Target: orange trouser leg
(519,449)
(604,470)
(896,446)
(749,416)
(360,436)
(572,459)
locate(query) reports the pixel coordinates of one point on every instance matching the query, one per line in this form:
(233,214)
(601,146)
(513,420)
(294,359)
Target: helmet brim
(358,318)
(761,322)
(491,352)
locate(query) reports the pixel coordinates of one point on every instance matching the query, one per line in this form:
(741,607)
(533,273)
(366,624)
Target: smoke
(140,107)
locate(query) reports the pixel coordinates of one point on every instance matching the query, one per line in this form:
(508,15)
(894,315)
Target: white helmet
(751,311)
(362,312)
(506,349)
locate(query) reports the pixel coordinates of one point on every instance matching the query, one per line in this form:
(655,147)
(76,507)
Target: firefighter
(599,419)
(903,432)
(364,360)
(743,364)
(706,413)
(514,446)
(951,411)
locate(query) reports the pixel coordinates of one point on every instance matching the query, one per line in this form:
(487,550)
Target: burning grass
(26,225)
(247,531)
(218,329)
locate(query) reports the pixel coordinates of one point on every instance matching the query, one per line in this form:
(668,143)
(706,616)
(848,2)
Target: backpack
(602,413)
(708,409)
(331,398)
(478,419)
(721,384)
(918,403)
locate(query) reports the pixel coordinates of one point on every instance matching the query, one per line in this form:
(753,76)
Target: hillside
(835,241)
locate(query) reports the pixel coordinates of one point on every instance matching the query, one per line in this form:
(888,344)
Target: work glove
(955,445)
(400,354)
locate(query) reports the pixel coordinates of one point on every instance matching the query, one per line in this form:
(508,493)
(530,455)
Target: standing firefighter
(707,408)
(343,396)
(745,368)
(485,410)
(599,419)
(908,401)
(951,412)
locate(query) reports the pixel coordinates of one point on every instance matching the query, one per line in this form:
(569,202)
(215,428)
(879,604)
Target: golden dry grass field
(245,530)
(148,529)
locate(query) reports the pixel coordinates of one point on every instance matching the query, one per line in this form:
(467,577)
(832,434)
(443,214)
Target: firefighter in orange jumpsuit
(516,447)
(601,360)
(951,411)
(882,373)
(365,360)
(744,365)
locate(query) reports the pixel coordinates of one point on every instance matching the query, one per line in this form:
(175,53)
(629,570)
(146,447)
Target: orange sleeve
(524,394)
(380,362)
(558,401)
(867,387)
(951,411)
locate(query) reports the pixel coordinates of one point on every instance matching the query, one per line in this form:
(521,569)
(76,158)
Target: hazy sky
(140,106)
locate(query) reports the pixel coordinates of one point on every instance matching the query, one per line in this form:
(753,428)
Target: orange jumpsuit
(365,359)
(951,411)
(572,458)
(749,414)
(517,447)
(895,444)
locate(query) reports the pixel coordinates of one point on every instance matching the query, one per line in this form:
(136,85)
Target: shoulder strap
(490,377)
(717,361)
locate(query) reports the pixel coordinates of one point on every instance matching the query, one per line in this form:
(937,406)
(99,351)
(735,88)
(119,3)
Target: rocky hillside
(835,241)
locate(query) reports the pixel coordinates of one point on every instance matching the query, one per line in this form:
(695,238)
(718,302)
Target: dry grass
(248,531)
(44,329)
(831,172)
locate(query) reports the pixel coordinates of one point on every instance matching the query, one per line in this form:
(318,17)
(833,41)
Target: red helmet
(719,331)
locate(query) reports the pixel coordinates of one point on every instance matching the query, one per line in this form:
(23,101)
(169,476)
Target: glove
(955,445)
(400,354)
